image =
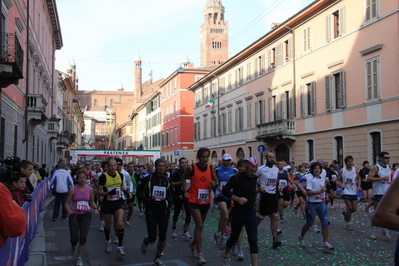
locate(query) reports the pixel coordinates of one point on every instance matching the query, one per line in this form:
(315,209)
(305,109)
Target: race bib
(188,184)
(321,196)
(334,177)
(283,183)
(271,182)
(117,196)
(349,181)
(159,193)
(82,206)
(88,182)
(222,184)
(203,195)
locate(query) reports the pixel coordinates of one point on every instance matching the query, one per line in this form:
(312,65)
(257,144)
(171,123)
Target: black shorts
(221,199)
(366,185)
(288,195)
(349,197)
(204,208)
(300,194)
(267,204)
(110,207)
(131,200)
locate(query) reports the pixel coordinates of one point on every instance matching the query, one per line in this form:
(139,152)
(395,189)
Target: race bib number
(82,206)
(349,181)
(321,196)
(283,183)
(188,184)
(203,195)
(271,182)
(88,182)
(159,193)
(117,196)
(222,184)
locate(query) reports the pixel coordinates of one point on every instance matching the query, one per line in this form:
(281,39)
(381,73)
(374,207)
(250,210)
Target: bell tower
(214,35)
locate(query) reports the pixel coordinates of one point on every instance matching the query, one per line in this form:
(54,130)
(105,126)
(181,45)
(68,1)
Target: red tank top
(200,186)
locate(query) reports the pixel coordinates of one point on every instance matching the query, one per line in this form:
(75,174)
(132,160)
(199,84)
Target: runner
(156,193)
(223,174)
(130,202)
(333,184)
(367,187)
(380,175)
(267,197)
(244,186)
(283,181)
(349,181)
(82,197)
(111,187)
(316,188)
(301,193)
(202,179)
(179,201)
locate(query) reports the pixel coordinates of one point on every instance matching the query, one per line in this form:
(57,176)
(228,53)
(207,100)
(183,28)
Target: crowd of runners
(244,194)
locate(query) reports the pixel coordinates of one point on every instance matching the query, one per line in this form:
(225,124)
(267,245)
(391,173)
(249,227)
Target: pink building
(320,85)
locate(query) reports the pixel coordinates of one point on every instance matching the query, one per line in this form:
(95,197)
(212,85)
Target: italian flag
(209,104)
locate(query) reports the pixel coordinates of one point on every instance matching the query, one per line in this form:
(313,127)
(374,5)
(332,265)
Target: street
(351,248)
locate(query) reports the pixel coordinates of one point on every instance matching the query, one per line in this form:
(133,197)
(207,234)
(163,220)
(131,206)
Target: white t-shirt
(267,178)
(315,184)
(349,181)
(380,187)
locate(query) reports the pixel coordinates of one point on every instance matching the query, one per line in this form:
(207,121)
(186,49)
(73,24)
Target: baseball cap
(319,160)
(226,157)
(252,162)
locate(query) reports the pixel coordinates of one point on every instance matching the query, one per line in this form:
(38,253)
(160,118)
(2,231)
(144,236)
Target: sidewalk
(37,248)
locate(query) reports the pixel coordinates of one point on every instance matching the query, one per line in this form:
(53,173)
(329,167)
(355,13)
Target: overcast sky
(104,37)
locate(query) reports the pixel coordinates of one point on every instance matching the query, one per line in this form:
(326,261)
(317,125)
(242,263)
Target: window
(111,103)
(205,127)
(339,149)
(2,136)
(335,90)
(249,115)
(239,119)
(259,65)
(373,79)
(229,121)
(276,56)
(249,77)
(95,102)
(372,9)
(229,82)
(310,149)
(308,99)
(307,39)
(239,77)
(288,50)
(222,85)
(213,126)
(224,125)
(176,136)
(335,24)
(260,112)
(273,105)
(375,146)
(195,132)
(175,109)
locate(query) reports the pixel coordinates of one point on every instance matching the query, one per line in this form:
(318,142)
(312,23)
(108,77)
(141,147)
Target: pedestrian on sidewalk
(59,187)
(82,197)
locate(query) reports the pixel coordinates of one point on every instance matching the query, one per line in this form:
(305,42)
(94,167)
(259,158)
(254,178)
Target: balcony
(52,129)
(63,141)
(280,129)
(37,108)
(11,59)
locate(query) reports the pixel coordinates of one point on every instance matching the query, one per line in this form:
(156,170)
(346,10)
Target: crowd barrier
(15,251)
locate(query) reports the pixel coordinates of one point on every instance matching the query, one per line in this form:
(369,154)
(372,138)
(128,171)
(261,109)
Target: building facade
(315,87)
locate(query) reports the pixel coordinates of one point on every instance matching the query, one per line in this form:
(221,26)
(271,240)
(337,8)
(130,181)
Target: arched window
(214,158)
(240,154)
(282,153)
(95,102)
(111,103)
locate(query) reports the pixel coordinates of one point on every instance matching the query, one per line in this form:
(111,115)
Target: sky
(103,38)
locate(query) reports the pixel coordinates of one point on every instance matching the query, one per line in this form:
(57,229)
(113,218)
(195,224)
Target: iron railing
(10,50)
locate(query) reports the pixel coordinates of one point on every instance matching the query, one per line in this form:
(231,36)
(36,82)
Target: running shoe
(228,231)
(121,251)
(144,247)
(108,247)
(193,249)
(240,255)
(234,249)
(127,223)
(116,240)
(301,240)
(225,260)
(315,229)
(281,219)
(187,236)
(279,231)
(218,239)
(349,227)
(102,227)
(386,233)
(367,208)
(276,243)
(372,235)
(79,262)
(73,250)
(158,262)
(174,233)
(201,259)
(328,246)
(224,239)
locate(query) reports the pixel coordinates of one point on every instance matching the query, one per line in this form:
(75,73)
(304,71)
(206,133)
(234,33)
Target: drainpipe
(27,83)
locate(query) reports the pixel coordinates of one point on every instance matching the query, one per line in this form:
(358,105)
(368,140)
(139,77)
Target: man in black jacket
(242,189)
(156,194)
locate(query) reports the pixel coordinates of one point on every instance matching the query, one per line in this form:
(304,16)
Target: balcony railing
(11,52)
(36,103)
(280,129)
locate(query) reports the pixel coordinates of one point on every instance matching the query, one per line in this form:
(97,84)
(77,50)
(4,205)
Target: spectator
(26,167)
(54,169)
(36,168)
(43,171)
(18,186)
(60,184)
(10,211)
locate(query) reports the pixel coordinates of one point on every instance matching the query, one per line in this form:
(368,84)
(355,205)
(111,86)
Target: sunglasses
(387,158)
(119,164)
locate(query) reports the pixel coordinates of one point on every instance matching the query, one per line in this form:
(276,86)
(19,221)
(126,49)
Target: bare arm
(215,181)
(359,181)
(371,177)
(339,179)
(186,175)
(385,214)
(92,203)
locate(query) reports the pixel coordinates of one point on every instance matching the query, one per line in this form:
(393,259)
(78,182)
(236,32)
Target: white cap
(226,157)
